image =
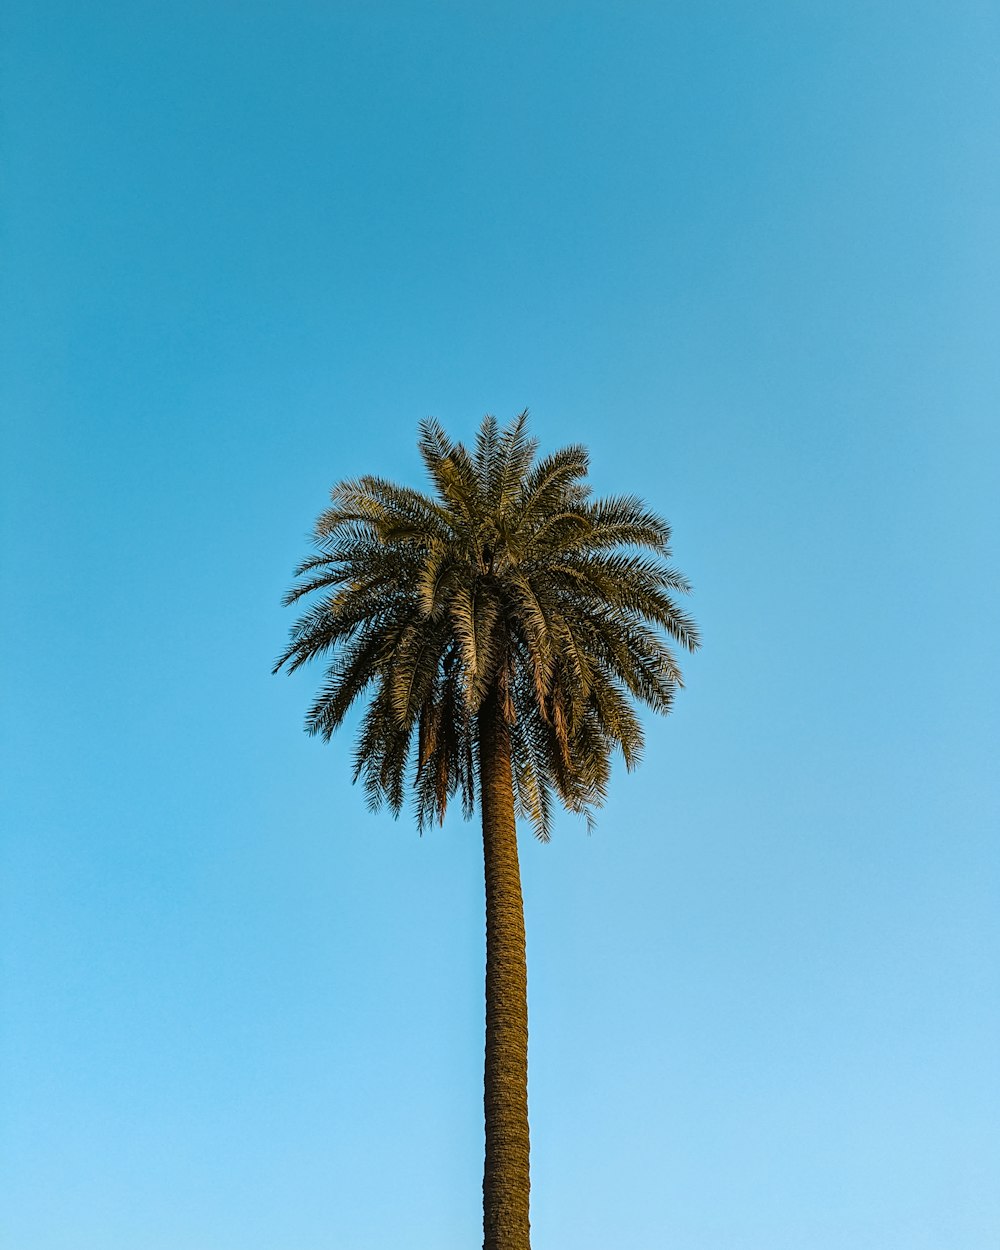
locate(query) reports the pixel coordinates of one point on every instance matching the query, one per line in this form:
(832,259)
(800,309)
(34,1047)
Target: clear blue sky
(749,255)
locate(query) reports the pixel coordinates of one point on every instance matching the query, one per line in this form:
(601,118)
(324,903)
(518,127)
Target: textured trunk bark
(505,1098)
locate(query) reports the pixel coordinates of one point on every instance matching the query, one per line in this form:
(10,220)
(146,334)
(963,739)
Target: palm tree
(500,629)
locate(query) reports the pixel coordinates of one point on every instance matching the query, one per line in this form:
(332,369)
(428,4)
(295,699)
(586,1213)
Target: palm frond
(508,578)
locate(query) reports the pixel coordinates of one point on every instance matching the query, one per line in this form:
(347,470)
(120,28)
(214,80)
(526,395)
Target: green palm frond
(509,578)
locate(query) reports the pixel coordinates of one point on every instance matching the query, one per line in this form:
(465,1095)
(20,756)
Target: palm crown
(510,581)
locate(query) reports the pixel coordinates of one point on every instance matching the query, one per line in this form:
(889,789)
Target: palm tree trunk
(505,1098)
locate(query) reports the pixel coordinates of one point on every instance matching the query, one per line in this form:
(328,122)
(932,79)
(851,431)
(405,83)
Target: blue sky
(748,254)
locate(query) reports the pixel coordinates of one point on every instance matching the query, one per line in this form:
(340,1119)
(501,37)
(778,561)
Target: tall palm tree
(500,629)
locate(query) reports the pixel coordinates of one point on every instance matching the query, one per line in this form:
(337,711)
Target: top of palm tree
(508,581)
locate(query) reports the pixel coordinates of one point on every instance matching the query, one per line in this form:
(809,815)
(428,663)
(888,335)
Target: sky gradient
(748,255)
